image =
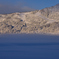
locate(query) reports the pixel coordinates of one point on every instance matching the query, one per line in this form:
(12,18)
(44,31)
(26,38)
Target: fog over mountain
(39,21)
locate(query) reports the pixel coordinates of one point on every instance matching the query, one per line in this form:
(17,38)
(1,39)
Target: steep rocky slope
(40,21)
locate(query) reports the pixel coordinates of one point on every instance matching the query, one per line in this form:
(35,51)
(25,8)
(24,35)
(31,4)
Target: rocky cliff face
(40,21)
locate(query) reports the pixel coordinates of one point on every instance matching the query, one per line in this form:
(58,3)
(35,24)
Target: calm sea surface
(29,46)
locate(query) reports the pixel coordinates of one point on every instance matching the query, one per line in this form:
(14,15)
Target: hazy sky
(9,6)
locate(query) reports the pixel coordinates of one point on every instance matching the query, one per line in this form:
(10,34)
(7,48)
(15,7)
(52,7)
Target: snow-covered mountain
(39,21)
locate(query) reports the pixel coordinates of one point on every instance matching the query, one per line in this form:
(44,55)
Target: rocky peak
(57,4)
(55,8)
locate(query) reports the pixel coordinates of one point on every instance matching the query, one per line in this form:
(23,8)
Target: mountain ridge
(39,21)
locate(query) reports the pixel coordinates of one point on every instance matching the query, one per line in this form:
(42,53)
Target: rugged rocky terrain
(39,21)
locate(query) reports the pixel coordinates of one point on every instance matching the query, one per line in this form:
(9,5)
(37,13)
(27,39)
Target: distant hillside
(39,21)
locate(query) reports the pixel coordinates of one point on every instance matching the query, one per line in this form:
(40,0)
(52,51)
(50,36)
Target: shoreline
(52,34)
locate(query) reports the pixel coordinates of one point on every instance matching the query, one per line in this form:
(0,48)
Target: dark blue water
(29,46)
